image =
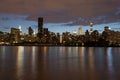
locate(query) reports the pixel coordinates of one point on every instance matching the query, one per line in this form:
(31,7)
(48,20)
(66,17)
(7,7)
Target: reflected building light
(82,57)
(45,51)
(91,64)
(3,52)
(82,51)
(69,49)
(110,60)
(91,57)
(76,52)
(33,59)
(33,54)
(19,62)
(61,51)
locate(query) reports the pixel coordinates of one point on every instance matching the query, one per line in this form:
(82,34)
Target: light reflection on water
(59,63)
(19,61)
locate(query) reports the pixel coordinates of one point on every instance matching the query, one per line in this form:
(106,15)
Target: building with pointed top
(91,26)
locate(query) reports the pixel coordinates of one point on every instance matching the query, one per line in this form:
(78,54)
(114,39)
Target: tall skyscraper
(80,30)
(91,26)
(40,25)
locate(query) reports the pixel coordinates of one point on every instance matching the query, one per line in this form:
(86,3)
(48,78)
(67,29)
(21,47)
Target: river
(59,63)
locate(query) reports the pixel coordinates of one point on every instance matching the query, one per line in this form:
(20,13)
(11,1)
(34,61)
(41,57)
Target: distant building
(20,28)
(61,39)
(45,30)
(106,28)
(30,31)
(80,31)
(74,32)
(15,35)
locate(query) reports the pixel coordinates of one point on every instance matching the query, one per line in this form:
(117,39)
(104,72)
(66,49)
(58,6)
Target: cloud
(61,11)
(7,17)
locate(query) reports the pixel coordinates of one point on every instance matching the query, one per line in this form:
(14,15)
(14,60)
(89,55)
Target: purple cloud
(61,11)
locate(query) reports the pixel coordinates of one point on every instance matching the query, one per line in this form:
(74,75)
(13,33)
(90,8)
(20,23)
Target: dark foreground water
(59,63)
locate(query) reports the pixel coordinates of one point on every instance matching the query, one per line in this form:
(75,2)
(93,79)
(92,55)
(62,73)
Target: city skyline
(59,16)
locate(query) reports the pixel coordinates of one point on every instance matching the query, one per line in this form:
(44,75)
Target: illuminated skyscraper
(20,28)
(91,26)
(15,35)
(80,30)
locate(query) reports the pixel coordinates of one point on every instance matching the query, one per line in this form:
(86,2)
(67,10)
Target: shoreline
(61,45)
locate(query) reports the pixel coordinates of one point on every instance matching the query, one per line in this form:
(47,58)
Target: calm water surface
(59,63)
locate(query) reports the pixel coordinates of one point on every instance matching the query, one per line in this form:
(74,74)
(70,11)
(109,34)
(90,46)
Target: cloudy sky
(59,14)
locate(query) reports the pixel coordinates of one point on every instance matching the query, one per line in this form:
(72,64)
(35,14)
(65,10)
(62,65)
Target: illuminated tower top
(91,26)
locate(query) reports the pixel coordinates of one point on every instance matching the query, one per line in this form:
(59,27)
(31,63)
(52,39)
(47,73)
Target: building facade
(15,35)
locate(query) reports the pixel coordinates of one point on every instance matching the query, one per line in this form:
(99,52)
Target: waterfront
(59,63)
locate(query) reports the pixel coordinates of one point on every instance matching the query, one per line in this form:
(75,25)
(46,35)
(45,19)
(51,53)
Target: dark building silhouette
(30,31)
(46,31)
(106,28)
(40,27)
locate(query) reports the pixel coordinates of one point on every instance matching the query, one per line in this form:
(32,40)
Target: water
(59,63)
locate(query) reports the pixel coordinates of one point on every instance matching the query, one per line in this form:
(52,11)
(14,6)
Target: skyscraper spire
(80,30)
(91,26)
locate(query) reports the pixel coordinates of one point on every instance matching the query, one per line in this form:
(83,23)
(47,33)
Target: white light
(20,27)
(109,28)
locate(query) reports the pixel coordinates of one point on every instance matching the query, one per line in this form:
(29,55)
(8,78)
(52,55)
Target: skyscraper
(30,31)
(40,25)
(91,26)
(80,30)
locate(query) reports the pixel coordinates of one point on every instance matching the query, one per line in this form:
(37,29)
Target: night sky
(59,15)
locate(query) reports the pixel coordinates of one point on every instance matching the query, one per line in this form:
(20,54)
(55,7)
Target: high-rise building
(15,35)
(30,31)
(40,25)
(91,26)
(80,30)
